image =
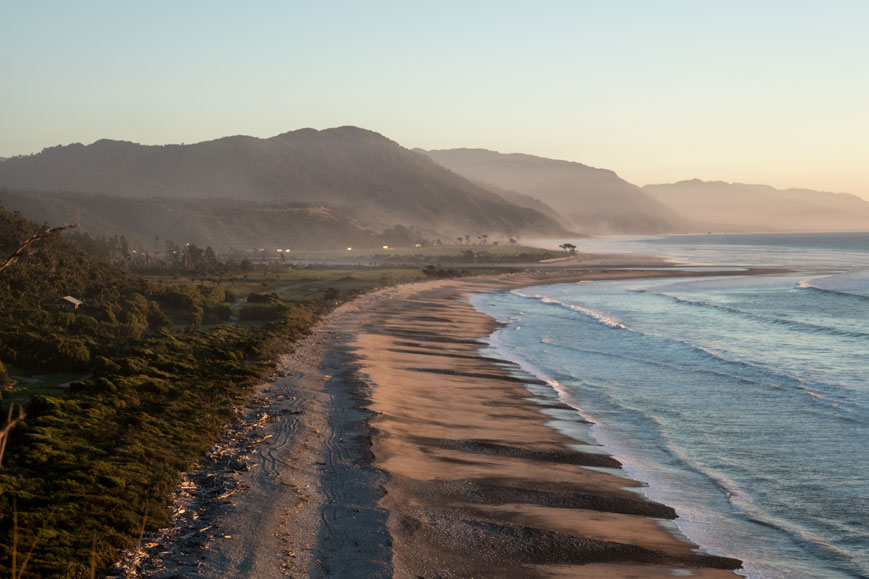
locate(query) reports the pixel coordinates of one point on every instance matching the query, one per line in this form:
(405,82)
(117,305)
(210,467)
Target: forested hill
(593,200)
(220,223)
(372,178)
(120,395)
(54,269)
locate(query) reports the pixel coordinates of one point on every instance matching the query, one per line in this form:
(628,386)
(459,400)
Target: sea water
(741,401)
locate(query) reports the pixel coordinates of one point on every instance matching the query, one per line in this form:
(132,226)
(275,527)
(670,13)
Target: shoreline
(479,483)
(388,445)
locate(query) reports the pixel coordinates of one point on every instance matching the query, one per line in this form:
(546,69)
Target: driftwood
(27,248)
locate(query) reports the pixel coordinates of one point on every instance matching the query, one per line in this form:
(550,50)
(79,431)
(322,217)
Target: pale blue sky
(773,92)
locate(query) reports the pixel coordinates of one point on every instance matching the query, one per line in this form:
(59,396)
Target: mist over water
(743,402)
(834,251)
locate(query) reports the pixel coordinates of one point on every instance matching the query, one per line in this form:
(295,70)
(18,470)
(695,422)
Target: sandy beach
(387,445)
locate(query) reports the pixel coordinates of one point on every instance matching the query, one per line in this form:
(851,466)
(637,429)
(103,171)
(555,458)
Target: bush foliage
(84,473)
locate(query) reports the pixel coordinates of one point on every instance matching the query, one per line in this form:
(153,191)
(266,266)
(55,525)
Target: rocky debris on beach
(198,501)
(215,506)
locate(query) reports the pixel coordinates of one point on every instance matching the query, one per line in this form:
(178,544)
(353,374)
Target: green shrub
(255,298)
(261,312)
(217,312)
(5,379)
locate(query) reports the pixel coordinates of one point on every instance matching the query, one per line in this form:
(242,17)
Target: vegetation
(157,225)
(446,256)
(106,403)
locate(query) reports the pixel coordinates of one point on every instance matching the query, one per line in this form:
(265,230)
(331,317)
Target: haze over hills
(720,206)
(597,201)
(220,223)
(523,200)
(593,200)
(353,171)
(347,186)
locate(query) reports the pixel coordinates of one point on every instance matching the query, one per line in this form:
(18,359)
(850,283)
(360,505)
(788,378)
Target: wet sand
(389,446)
(479,485)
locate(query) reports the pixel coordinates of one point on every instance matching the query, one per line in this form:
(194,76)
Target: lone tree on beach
(568,248)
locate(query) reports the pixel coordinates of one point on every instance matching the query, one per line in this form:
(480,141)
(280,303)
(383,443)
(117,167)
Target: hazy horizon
(658,93)
(525,153)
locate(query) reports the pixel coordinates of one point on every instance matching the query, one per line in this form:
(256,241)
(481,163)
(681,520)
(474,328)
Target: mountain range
(347,185)
(357,174)
(734,207)
(599,202)
(595,201)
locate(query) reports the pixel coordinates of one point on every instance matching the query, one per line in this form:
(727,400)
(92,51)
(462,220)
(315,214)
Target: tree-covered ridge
(55,269)
(223,224)
(91,466)
(366,176)
(36,331)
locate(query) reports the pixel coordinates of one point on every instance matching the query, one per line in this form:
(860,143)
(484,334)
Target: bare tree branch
(27,248)
(11,421)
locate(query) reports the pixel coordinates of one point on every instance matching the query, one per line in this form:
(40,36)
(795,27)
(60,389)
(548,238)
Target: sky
(773,92)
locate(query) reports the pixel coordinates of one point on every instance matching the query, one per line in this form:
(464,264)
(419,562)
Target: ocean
(741,401)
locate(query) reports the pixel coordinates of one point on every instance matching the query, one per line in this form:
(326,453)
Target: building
(68,303)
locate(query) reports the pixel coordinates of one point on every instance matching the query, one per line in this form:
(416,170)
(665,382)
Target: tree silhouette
(27,248)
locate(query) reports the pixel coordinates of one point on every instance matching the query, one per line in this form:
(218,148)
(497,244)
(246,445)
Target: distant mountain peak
(346,131)
(593,200)
(723,206)
(496,155)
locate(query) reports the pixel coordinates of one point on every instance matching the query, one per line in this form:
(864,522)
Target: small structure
(68,303)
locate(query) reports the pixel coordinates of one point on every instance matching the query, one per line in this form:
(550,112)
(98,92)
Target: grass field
(28,384)
(447,252)
(302,283)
